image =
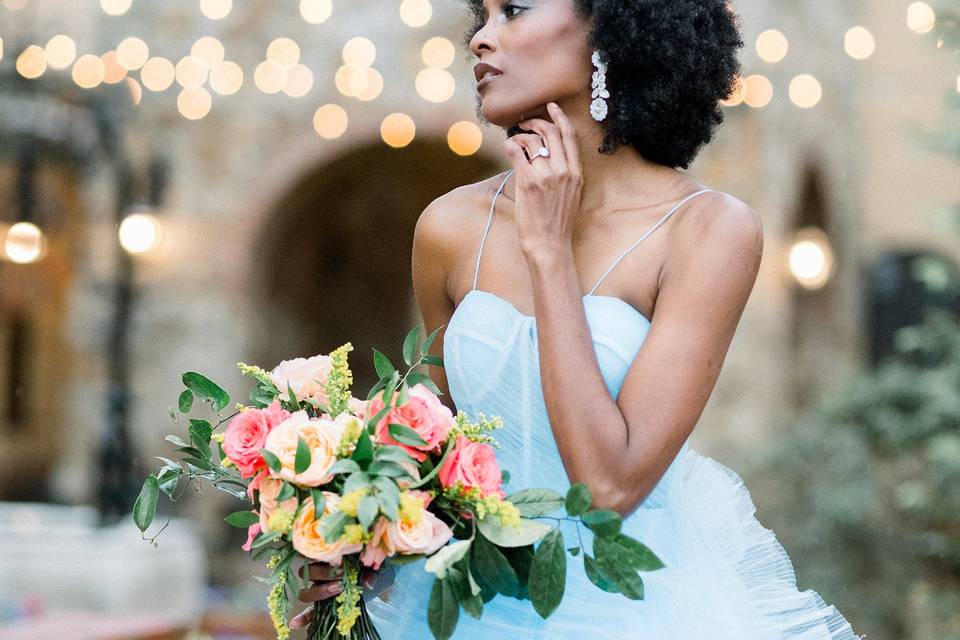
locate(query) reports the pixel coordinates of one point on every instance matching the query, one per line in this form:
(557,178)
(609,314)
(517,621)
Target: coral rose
(323,439)
(416,530)
(423,412)
(306,376)
(269,489)
(247,433)
(472,464)
(306,534)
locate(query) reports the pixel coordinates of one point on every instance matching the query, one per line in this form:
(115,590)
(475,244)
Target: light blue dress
(726,576)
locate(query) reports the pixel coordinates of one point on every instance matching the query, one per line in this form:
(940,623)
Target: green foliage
(578,499)
(548,574)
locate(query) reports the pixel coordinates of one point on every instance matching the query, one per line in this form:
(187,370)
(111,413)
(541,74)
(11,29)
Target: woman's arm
(622,448)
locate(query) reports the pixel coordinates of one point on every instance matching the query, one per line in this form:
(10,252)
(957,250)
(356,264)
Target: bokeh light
(920,17)
(226,78)
(398,130)
(32,62)
(194,103)
(315,11)
(284,53)
(191,72)
(60,51)
(858,42)
(216,9)
(88,71)
(772,46)
(373,85)
(136,91)
(810,258)
(115,7)
(132,53)
(15,5)
(299,81)
(435,85)
(140,233)
(415,13)
(25,243)
(208,49)
(359,51)
(157,74)
(113,72)
(269,77)
(351,80)
(758,90)
(805,91)
(330,121)
(438,52)
(464,138)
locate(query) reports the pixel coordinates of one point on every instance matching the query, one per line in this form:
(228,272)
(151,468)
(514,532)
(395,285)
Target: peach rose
(358,407)
(269,489)
(306,376)
(306,534)
(473,464)
(252,532)
(322,437)
(417,532)
(246,434)
(423,412)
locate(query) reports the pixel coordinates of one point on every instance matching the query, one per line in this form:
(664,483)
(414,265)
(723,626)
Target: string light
(859,44)
(772,46)
(805,91)
(315,11)
(920,17)
(299,81)
(140,233)
(226,78)
(132,53)
(351,80)
(157,74)
(359,51)
(284,53)
(194,103)
(438,52)
(415,13)
(115,7)
(88,71)
(397,130)
(208,49)
(758,91)
(737,95)
(191,72)
(464,138)
(435,85)
(330,121)
(113,72)
(60,51)
(269,78)
(32,62)
(373,85)
(216,9)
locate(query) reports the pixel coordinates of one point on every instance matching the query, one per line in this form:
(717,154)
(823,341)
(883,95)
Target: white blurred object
(56,556)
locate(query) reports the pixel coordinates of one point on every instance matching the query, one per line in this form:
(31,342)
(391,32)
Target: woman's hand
(547,188)
(327,583)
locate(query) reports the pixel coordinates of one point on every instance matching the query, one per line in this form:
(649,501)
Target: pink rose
(246,435)
(473,464)
(423,412)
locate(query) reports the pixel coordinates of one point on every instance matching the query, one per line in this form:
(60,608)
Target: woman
(603,101)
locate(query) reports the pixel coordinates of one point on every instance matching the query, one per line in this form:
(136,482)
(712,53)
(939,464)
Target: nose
(481,40)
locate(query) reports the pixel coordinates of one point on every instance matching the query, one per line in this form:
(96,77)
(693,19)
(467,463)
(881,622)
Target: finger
(530,142)
(321,591)
(551,134)
(302,619)
(323,571)
(515,151)
(567,133)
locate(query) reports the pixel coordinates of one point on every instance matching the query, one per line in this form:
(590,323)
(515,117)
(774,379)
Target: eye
(508,8)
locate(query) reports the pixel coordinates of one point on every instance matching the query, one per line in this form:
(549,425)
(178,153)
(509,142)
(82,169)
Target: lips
(484,73)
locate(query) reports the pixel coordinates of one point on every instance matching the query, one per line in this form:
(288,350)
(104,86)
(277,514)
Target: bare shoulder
(718,224)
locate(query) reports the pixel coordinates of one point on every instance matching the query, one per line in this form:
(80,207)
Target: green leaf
(440,561)
(425,380)
(200,431)
(389,504)
(401,559)
(504,476)
(391,386)
(177,440)
(404,394)
(442,610)
(205,389)
(434,360)
(626,578)
(465,589)
(261,395)
(574,551)
(405,435)
(393,453)
(548,574)
(242,519)
(273,462)
(301,461)
(536,502)
(286,492)
(603,522)
(264,539)
(597,576)
(390,469)
(493,568)
(319,500)
(410,344)
(428,342)
(382,365)
(200,463)
(578,499)
(375,420)
(146,505)
(629,551)
(367,510)
(363,452)
(356,480)
(332,525)
(506,536)
(291,396)
(374,389)
(344,465)
(185,401)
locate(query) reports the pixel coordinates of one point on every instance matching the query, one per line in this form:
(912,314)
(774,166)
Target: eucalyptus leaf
(548,574)
(356,480)
(177,440)
(404,394)
(597,576)
(390,469)
(344,465)
(287,491)
(363,452)
(319,500)
(367,510)
(332,525)
(382,364)
(393,453)
(507,536)
(536,502)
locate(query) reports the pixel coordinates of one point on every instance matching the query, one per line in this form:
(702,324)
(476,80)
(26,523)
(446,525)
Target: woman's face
(541,49)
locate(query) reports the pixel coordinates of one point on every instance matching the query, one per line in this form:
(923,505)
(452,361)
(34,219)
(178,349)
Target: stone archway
(332,262)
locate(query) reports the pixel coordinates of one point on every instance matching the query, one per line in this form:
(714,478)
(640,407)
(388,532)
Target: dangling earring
(598,108)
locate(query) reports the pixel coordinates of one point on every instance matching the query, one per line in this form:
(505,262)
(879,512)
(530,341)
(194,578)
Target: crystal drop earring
(598,108)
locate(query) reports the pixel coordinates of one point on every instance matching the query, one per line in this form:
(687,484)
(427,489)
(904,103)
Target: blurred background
(192,183)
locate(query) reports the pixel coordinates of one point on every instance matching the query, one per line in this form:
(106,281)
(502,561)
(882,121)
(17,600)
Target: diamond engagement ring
(541,152)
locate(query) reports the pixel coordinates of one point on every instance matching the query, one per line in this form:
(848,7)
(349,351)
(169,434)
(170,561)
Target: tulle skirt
(726,578)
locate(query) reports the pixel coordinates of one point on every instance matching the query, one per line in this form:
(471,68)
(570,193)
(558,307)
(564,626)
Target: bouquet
(326,476)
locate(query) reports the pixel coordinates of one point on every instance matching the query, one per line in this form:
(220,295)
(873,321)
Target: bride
(603,101)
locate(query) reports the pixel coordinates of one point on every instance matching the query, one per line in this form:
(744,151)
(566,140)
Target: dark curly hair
(669,64)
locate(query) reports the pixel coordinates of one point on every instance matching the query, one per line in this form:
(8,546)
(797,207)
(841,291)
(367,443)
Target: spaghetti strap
(476,271)
(641,238)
